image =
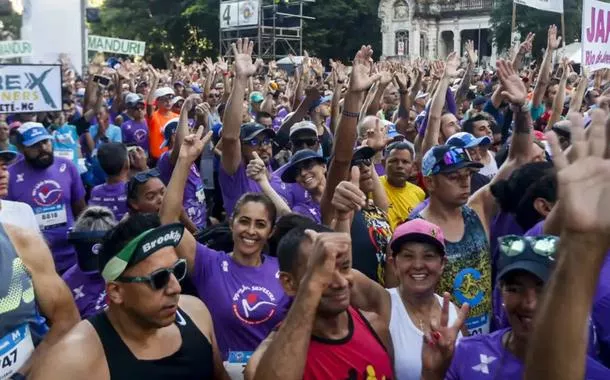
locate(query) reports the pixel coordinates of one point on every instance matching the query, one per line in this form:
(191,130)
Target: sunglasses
(298,143)
(307,165)
(362,162)
(159,279)
(256,143)
(139,106)
(514,245)
(139,179)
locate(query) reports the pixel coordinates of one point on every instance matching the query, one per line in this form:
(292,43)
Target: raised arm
(473,57)
(545,69)
(183,125)
(524,48)
(244,69)
(583,189)
(560,96)
(257,171)
(579,94)
(150,99)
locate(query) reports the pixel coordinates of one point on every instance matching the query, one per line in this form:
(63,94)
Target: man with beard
(51,186)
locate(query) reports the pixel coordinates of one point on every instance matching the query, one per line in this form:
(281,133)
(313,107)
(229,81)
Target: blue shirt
(65,143)
(113,133)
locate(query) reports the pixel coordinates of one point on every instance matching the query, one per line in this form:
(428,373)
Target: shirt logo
(21,289)
(46,193)
(140,135)
(225,266)
(180,319)
(62,168)
(20,177)
(254,305)
(78,292)
(483,366)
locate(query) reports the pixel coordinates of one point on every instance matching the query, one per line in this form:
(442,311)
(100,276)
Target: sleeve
(536,112)
(203,268)
(77,190)
(493,111)
(117,135)
(453,373)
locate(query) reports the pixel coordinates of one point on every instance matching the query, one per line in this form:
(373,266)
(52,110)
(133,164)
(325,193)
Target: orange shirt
(155,133)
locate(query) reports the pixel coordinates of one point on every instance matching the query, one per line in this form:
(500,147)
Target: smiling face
(261,144)
(251,228)
(310,174)
(521,293)
(419,267)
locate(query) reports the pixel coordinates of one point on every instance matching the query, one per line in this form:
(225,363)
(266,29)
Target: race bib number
(51,216)
(69,154)
(16,348)
(200,195)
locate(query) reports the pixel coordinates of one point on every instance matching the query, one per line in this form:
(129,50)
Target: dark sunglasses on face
(514,245)
(362,162)
(139,107)
(307,165)
(305,142)
(159,279)
(256,142)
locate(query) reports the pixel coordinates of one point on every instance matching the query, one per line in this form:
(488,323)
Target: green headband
(144,245)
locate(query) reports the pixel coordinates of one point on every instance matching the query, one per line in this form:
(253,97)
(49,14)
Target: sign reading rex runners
(30,88)
(115,45)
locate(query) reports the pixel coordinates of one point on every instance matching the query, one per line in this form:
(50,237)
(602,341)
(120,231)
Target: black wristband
(351,114)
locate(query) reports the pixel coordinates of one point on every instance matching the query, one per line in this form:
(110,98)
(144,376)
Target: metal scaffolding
(279,31)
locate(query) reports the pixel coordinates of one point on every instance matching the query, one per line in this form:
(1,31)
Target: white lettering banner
(115,45)
(543,5)
(30,88)
(15,49)
(595,29)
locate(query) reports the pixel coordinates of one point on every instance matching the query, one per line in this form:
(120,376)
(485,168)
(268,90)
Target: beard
(42,161)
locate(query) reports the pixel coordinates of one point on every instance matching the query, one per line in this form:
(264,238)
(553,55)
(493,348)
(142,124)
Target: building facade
(433,28)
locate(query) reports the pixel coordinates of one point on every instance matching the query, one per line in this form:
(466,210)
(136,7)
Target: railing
(451,6)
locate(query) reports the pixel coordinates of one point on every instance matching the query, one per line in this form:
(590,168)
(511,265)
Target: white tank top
(407,338)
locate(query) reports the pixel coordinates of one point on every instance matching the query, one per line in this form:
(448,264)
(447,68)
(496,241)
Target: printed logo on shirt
(96,248)
(62,168)
(47,193)
(140,135)
(225,266)
(20,177)
(369,374)
(100,303)
(483,366)
(254,305)
(78,292)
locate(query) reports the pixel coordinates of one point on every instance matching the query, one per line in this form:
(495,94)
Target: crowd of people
(383,220)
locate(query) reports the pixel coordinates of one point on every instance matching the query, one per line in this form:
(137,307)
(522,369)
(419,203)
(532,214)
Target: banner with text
(15,49)
(544,5)
(595,29)
(30,88)
(115,45)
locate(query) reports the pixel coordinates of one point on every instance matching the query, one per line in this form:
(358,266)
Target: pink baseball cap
(418,230)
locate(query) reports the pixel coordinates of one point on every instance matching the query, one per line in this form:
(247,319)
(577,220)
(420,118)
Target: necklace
(418,318)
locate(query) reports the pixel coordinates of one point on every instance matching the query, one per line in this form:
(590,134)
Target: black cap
(290,174)
(363,153)
(479,100)
(540,265)
(251,130)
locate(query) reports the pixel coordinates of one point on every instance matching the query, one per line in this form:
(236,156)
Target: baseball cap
(196,88)
(163,91)
(319,101)
(418,230)
(446,159)
(391,131)
(32,133)
(533,254)
(479,101)
(256,97)
(168,131)
(7,155)
(290,174)
(175,100)
(303,126)
(179,83)
(363,153)
(467,140)
(132,99)
(251,130)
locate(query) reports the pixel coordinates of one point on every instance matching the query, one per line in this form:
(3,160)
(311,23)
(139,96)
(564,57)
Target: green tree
(535,21)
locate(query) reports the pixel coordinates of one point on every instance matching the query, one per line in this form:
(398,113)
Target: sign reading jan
(595,34)
(30,88)
(115,45)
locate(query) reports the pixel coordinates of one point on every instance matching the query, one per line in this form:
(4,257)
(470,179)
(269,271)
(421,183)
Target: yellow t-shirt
(402,200)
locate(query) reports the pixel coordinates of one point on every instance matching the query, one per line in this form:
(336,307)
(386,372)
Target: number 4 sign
(235,14)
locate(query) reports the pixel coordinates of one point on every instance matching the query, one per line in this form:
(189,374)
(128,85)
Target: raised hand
(321,265)
(256,169)
(437,68)
(471,53)
(439,343)
(361,79)
(193,145)
(402,80)
(192,101)
(222,66)
(526,46)
(137,159)
(203,109)
(348,197)
(584,185)
(452,65)
(552,41)
(242,50)
(514,89)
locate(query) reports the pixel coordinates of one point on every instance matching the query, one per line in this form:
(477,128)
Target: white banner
(115,45)
(595,46)
(543,5)
(30,88)
(15,49)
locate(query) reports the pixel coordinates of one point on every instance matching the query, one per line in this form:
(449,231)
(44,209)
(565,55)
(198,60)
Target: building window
(402,42)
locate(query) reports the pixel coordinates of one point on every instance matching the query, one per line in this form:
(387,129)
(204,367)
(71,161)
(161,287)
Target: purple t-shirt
(418,209)
(310,209)
(193,200)
(50,192)
(246,303)
(380,169)
(113,196)
(236,185)
(483,357)
(293,193)
(135,132)
(537,230)
(88,290)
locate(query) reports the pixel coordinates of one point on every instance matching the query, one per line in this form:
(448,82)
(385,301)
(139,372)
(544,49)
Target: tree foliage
(190,28)
(536,21)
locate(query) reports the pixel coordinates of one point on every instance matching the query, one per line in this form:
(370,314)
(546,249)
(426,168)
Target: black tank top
(193,360)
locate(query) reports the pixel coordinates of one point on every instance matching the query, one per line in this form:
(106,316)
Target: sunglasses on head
(159,279)
(256,142)
(309,142)
(144,176)
(362,162)
(514,245)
